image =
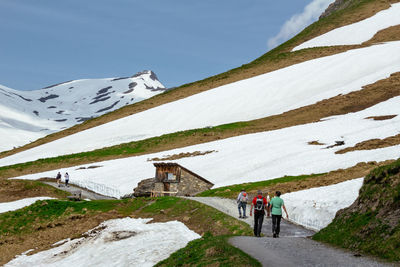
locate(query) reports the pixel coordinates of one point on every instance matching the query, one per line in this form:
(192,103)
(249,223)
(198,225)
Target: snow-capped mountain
(28,115)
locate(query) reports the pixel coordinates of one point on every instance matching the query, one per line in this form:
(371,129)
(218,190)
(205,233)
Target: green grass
(26,220)
(209,250)
(233,190)
(205,219)
(279,53)
(127,149)
(33,185)
(372,226)
(345,233)
(178,207)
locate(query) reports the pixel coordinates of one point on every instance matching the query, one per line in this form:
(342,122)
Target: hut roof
(173,164)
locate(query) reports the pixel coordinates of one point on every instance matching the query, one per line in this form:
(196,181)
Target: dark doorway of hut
(166,189)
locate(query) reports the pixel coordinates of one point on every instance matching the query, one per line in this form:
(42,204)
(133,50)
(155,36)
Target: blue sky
(44,42)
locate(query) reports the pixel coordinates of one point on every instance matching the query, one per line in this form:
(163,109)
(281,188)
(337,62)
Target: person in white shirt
(242,202)
(66,176)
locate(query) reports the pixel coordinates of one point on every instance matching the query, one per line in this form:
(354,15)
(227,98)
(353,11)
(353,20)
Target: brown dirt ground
(182,155)
(342,104)
(11,190)
(315,143)
(373,144)
(46,235)
(381,118)
(386,35)
(262,65)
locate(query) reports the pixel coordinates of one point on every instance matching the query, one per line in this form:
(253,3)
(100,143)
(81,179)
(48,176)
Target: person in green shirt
(276,210)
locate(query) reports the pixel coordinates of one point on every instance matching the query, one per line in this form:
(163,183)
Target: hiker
(276,209)
(66,176)
(242,202)
(58,178)
(269,204)
(260,205)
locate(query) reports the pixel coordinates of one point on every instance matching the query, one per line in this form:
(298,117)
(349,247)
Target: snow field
(123,242)
(255,157)
(19,204)
(28,115)
(358,32)
(315,208)
(265,95)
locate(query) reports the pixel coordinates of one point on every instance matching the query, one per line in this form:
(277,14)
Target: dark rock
(337,5)
(107,108)
(337,143)
(154,89)
(128,196)
(139,74)
(121,78)
(36,112)
(144,188)
(104,90)
(127,92)
(44,99)
(82,119)
(100,100)
(153,76)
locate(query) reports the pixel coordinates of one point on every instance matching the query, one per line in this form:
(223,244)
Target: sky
(45,42)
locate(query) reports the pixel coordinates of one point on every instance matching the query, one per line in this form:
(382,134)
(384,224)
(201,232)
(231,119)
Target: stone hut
(172,179)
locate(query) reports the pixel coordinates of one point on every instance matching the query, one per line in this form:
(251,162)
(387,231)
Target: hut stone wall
(170,177)
(190,185)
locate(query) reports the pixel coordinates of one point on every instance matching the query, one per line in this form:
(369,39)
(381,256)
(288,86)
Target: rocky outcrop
(335,6)
(372,223)
(144,188)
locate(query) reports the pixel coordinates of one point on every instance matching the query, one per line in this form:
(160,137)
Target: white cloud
(299,21)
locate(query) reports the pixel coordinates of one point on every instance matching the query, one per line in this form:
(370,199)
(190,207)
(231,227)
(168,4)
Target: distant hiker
(260,204)
(242,202)
(276,206)
(58,178)
(66,176)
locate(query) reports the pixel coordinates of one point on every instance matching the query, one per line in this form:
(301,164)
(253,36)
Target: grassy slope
(46,222)
(342,104)
(289,184)
(232,191)
(209,251)
(275,59)
(372,224)
(11,190)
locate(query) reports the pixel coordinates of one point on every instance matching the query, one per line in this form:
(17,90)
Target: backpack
(259,204)
(243,198)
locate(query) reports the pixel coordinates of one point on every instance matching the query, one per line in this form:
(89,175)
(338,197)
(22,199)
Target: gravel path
(85,193)
(293,248)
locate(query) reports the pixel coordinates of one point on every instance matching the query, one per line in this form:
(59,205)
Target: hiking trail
(293,248)
(86,194)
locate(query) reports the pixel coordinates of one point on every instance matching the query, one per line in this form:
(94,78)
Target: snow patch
(19,204)
(118,242)
(358,32)
(254,157)
(315,208)
(258,97)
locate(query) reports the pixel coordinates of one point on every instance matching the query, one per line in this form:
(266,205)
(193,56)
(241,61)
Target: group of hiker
(58,179)
(263,206)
